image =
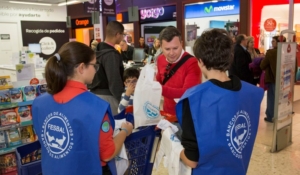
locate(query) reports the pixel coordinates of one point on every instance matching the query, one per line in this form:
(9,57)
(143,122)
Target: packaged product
(16,95)
(13,137)
(8,163)
(27,135)
(2,140)
(24,114)
(4,96)
(8,117)
(34,156)
(5,82)
(29,93)
(40,89)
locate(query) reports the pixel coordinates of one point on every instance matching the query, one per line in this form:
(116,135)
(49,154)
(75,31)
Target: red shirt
(187,76)
(106,142)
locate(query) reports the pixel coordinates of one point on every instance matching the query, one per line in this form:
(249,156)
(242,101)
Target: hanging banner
(51,35)
(108,7)
(91,6)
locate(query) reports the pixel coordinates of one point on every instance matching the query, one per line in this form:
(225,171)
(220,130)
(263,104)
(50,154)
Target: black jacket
(240,64)
(109,78)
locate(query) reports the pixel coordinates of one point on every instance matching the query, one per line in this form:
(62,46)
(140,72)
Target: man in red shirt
(186,76)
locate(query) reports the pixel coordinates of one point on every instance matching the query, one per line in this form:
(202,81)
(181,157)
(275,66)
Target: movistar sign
(221,8)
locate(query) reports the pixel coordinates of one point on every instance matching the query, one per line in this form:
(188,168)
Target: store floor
(284,162)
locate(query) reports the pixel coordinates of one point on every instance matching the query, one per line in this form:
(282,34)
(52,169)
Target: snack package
(8,117)
(8,163)
(5,82)
(41,89)
(34,156)
(4,97)
(2,140)
(13,137)
(29,93)
(27,135)
(24,114)
(16,95)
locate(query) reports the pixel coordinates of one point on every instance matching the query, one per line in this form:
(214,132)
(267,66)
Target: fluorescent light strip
(30,3)
(68,3)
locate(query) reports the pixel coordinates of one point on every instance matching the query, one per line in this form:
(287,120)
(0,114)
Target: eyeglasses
(167,70)
(96,66)
(131,81)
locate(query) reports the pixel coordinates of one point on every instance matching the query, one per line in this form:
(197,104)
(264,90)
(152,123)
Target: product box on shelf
(29,93)
(40,89)
(2,140)
(8,163)
(8,117)
(4,96)
(16,95)
(13,137)
(27,134)
(5,82)
(23,114)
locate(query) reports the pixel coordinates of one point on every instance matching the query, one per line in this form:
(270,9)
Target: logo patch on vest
(105,126)
(57,135)
(238,133)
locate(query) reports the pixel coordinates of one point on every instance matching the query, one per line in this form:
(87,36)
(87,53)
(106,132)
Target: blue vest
(69,133)
(226,124)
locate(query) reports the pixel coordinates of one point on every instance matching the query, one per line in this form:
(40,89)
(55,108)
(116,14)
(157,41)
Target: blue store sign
(212,9)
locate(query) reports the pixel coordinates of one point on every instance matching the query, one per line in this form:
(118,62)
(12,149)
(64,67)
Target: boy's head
(213,49)
(130,76)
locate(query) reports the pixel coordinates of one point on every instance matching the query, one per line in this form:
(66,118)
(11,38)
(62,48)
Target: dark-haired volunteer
(218,119)
(74,126)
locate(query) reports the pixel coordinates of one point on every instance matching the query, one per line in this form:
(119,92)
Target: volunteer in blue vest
(219,118)
(74,126)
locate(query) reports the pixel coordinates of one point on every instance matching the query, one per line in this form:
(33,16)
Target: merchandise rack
(12,126)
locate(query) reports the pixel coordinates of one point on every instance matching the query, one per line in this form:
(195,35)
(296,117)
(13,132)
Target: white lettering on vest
(56,128)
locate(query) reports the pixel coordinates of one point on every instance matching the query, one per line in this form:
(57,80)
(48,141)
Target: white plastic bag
(147,96)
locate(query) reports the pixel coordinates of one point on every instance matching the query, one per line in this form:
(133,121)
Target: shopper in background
(93,45)
(142,44)
(75,127)
(131,75)
(241,60)
(175,83)
(129,40)
(269,64)
(219,118)
(156,46)
(108,82)
(256,60)
(126,51)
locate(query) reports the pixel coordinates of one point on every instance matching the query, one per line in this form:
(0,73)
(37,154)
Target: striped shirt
(125,101)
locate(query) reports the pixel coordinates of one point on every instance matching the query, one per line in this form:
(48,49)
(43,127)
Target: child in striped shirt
(130,78)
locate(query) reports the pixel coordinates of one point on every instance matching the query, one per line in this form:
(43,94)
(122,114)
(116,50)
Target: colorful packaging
(2,140)
(16,95)
(4,96)
(8,117)
(34,156)
(8,163)
(13,137)
(29,93)
(27,135)
(5,82)
(24,114)
(41,89)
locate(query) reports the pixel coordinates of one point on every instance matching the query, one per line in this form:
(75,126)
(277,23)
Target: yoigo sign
(212,9)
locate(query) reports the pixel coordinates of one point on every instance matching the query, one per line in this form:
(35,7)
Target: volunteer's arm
(192,78)
(110,146)
(190,154)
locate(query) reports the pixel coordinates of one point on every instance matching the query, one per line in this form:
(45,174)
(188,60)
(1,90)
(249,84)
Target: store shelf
(11,149)
(17,125)
(13,105)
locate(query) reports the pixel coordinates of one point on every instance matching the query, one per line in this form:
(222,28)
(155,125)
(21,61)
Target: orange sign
(119,17)
(270,24)
(82,22)
(34,81)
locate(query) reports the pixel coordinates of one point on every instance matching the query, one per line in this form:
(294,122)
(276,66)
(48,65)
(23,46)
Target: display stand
(284,93)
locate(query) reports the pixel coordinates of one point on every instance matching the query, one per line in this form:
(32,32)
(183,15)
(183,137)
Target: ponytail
(55,74)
